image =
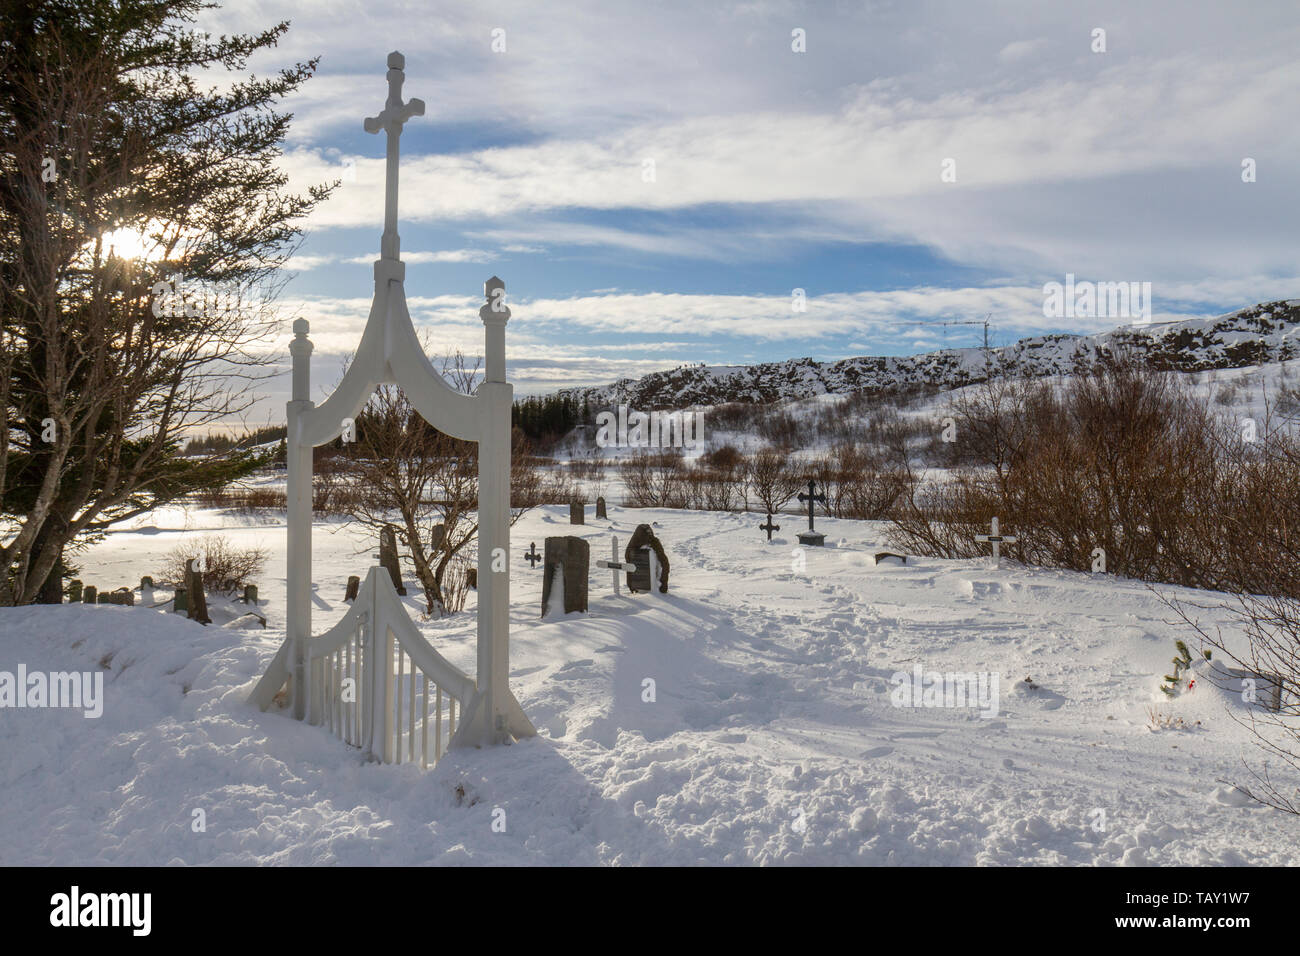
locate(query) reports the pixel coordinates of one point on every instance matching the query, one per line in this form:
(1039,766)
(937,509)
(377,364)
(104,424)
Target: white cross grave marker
(995,539)
(615,566)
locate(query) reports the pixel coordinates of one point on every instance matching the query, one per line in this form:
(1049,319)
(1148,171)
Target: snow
(771,737)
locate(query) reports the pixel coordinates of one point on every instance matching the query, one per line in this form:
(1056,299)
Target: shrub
(226,568)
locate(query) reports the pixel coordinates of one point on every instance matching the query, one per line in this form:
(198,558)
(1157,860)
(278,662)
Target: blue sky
(777,170)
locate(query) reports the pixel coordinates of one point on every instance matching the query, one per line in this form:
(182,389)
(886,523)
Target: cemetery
(768,677)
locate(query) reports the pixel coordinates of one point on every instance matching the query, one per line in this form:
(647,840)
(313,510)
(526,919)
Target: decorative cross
(769,527)
(394,114)
(810,498)
(531,556)
(995,539)
(615,565)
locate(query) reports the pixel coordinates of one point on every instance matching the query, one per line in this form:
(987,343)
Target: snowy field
(773,737)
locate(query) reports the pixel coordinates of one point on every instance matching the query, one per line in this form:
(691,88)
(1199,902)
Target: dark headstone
(531,555)
(250,593)
(354,585)
(74,591)
(388,557)
(891,557)
(635,553)
(123,596)
(104,598)
(572,555)
(198,600)
(471,577)
(577,512)
(181,602)
(600,508)
(769,527)
(437,537)
(88,594)
(812,536)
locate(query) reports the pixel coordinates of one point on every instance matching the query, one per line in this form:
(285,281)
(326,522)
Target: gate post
(298,514)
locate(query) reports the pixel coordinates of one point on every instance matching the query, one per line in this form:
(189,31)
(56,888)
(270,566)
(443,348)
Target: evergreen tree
(107,134)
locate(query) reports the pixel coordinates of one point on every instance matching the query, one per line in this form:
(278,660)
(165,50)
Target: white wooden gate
(377,684)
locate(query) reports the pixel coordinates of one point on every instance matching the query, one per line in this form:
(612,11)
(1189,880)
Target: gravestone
(600,508)
(354,585)
(146,582)
(123,596)
(570,556)
(88,595)
(74,591)
(890,557)
(104,598)
(646,552)
(769,527)
(250,593)
(388,557)
(181,602)
(577,512)
(437,537)
(531,555)
(198,601)
(812,536)
(471,578)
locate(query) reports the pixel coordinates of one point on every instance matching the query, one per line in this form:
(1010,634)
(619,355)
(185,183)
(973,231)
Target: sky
(653,181)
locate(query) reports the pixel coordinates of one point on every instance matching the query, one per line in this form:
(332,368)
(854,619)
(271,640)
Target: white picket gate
(375,682)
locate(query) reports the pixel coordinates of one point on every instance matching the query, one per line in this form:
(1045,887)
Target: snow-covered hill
(773,734)
(1263,333)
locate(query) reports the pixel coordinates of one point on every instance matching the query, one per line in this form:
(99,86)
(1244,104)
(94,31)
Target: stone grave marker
(198,601)
(600,507)
(354,585)
(569,557)
(388,557)
(250,593)
(74,591)
(181,602)
(646,553)
(769,527)
(437,537)
(577,512)
(531,555)
(88,594)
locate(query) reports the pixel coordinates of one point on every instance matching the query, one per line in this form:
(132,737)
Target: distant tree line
(546,419)
(217,443)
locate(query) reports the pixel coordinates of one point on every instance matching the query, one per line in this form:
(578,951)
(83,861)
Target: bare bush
(226,568)
(772,478)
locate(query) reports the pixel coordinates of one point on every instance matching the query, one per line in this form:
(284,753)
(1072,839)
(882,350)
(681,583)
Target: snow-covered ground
(773,736)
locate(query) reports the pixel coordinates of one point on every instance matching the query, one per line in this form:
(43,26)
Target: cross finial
(394,114)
